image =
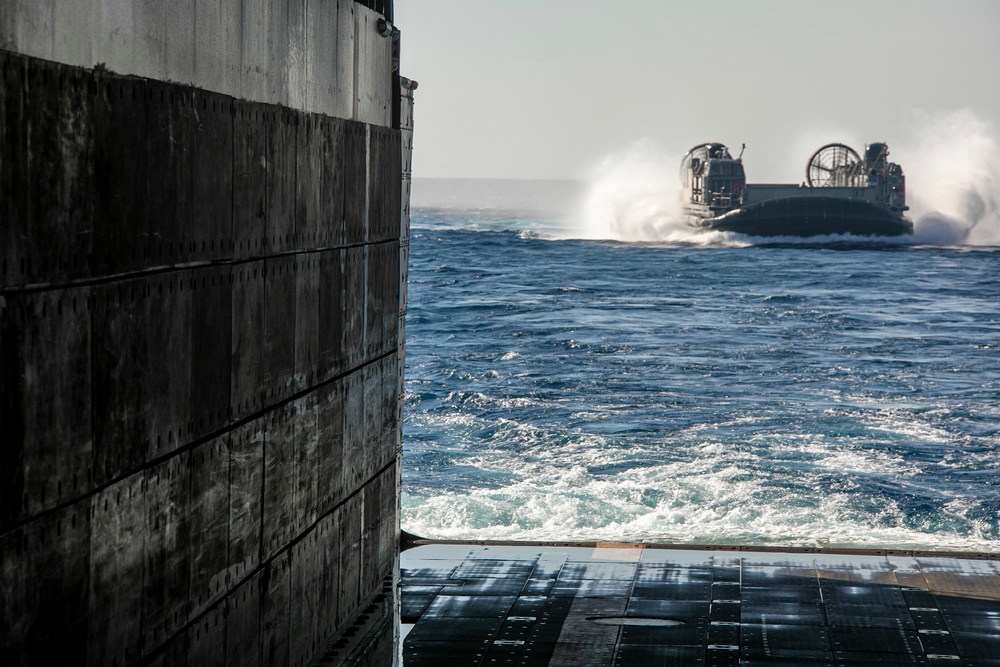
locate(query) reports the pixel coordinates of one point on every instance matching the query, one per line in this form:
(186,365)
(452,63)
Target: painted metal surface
(200,365)
(624,605)
(321,56)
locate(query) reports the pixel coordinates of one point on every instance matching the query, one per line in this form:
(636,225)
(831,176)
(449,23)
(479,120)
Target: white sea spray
(952,164)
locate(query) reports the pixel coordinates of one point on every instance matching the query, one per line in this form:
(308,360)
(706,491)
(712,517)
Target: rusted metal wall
(201,303)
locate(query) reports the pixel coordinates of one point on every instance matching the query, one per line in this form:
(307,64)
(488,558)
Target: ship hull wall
(202,293)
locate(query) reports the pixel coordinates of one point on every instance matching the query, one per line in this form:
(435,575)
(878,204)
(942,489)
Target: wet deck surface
(631,607)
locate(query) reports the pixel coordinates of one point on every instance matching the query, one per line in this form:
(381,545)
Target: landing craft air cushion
(843,194)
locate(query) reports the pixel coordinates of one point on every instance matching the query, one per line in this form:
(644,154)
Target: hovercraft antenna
(743,147)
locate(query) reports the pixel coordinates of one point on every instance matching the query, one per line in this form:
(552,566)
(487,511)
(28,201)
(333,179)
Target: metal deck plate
(581,606)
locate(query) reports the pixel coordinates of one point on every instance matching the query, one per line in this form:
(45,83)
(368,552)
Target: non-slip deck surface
(631,607)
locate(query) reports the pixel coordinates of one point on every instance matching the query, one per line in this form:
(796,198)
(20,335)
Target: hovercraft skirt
(810,216)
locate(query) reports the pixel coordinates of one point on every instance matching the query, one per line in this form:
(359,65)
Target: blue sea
(633,380)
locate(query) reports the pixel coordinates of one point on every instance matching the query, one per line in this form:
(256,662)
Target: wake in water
(952,163)
(776,395)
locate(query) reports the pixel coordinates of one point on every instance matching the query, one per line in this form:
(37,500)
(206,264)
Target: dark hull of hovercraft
(809,216)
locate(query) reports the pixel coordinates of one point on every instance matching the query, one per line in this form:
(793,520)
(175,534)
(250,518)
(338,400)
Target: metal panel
(384,184)
(116,566)
(799,594)
(121,127)
(281,137)
(786,613)
(13,165)
(243,624)
(208,21)
(173,653)
(470,628)
(248,316)
(58,125)
(26,25)
(391,397)
(279,480)
(274,614)
(166,323)
(206,638)
(868,616)
(354,267)
(211,349)
(231,64)
(326,584)
(582,642)
(113,41)
(14,594)
(166,545)
(487,586)
(179,28)
(330,443)
(331,205)
(305,462)
(246,479)
(320,67)
(978,645)
(209,523)
(355,169)
(389,287)
(377,271)
(372,419)
(344,60)
(298,84)
(372,74)
(330,309)
(432,652)
(871,595)
(255,50)
(349,577)
(210,224)
(378,173)
(173,129)
(279,327)
(45,395)
(45,568)
(470,606)
(309,158)
(277,63)
(120,377)
(630,655)
(307,319)
(371,515)
(306,581)
(574,571)
(150,35)
(846,640)
(249,179)
(354,442)
(785,641)
(688,634)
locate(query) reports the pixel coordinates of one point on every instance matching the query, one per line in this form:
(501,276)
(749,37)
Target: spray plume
(634,196)
(953,179)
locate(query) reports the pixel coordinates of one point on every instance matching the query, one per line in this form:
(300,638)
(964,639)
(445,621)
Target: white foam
(710,493)
(952,164)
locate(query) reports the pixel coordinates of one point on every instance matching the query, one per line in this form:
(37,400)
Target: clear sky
(547,88)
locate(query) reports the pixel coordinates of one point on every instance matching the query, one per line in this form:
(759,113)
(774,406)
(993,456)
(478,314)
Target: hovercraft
(842,194)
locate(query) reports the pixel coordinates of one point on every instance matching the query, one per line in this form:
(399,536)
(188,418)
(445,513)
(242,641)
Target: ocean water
(630,379)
